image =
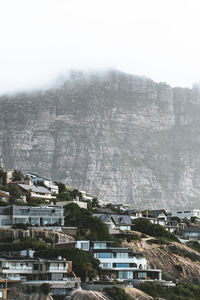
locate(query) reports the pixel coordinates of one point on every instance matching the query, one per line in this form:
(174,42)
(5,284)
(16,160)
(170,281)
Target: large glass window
(21,220)
(122,265)
(122,255)
(61,291)
(142,275)
(56,276)
(105,255)
(84,246)
(35,221)
(106,265)
(99,245)
(125,275)
(54,266)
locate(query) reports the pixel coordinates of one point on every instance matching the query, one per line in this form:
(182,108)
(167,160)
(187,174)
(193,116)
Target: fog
(41,39)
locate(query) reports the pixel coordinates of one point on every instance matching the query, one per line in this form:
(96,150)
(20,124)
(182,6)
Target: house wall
(187,213)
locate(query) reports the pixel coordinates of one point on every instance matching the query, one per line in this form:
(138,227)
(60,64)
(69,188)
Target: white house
(37,191)
(119,263)
(186,213)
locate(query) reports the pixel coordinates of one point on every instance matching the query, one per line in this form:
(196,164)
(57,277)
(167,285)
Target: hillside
(122,138)
(174,259)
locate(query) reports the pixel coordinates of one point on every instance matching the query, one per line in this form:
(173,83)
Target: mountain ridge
(121,137)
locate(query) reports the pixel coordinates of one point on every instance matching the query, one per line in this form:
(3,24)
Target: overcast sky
(42,38)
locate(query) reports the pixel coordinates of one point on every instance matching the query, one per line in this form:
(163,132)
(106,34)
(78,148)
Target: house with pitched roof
(122,222)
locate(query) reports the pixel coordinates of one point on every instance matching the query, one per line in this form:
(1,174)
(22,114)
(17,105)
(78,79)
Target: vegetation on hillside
(84,264)
(89,227)
(184,291)
(28,243)
(155,230)
(117,293)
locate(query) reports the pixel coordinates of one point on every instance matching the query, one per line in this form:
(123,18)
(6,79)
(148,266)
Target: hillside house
(186,213)
(37,191)
(34,272)
(39,216)
(121,222)
(191,233)
(118,263)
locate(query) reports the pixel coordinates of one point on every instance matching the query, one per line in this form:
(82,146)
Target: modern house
(122,222)
(81,204)
(186,213)
(191,233)
(40,216)
(37,191)
(117,262)
(34,272)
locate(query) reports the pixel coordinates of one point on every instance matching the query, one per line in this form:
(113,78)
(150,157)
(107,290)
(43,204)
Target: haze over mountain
(120,137)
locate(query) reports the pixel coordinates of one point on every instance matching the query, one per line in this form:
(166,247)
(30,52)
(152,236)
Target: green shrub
(184,291)
(117,293)
(90,227)
(84,264)
(156,230)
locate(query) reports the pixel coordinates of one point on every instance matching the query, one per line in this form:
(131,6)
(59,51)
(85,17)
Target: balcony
(16,270)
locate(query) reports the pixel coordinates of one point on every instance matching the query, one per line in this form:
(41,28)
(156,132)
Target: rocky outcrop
(137,294)
(122,138)
(86,295)
(173,259)
(45,235)
(134,294)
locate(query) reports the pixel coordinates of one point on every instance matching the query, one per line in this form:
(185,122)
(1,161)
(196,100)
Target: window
(84,246)
(122,255)
(99,245)
(125,275)
(142,275)
(106,265)
(54,266)
(122,265)
(56,276)
(59,291)
(105,255)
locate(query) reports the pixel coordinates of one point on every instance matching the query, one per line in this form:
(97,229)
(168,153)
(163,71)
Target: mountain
(120,137)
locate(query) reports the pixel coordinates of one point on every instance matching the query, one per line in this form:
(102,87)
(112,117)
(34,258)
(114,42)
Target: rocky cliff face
(120,137)
(168,259)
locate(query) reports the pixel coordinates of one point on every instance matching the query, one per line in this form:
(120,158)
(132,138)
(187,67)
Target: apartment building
(39,216)
(118,262)
(186,213)
(34,272)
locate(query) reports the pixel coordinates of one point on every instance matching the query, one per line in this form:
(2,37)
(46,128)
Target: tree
(95,203)
(45,288)
(15,192)
(75,193)
(17,175)
(2,176)
(83,219)
(83,263)
(61,187)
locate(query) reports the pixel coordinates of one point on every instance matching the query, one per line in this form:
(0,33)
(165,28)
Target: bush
(184,291)
(89,227)
(20,226)
(23,245)
(84,264)
(117,293)
(45,288)
(156,230)
(194,245)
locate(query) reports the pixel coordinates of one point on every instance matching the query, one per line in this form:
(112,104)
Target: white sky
(41,38)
